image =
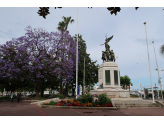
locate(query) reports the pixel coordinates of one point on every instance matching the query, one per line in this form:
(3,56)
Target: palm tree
(61,26)
(162,49)
(67,20)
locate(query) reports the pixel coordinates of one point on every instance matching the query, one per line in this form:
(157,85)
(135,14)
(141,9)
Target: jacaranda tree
(36,54)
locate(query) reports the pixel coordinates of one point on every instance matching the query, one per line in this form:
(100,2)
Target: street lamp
(77,55)
(149,63)
(139,79)
(160,82)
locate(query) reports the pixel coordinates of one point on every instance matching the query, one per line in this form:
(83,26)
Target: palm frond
(162,49)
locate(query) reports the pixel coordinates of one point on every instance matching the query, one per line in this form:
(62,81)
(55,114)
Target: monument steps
(134,105)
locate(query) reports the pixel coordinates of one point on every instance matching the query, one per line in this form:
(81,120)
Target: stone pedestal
(109,76)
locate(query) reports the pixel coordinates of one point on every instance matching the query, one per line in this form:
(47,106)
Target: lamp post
(149,63)
(156,59)
(77,55)
(160,81)
(139,79)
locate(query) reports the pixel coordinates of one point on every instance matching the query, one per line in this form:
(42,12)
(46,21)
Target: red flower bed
(99,106)
(109,105)
(64,103)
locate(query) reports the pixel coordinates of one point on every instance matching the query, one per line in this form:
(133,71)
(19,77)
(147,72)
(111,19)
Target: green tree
(44,11)
(91,69)
(125,81)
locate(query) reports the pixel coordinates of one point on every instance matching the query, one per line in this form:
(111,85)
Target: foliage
(52,103)
(162,50)
(125,81)
(133,95)
(44,11)
(91,69)
(30,58)
(86,98)
(95,103)
(58,96)
(103,99)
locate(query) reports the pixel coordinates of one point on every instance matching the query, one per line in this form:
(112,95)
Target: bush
(103,99)
(53,103)
(86,98)
(58,95)
(94,104)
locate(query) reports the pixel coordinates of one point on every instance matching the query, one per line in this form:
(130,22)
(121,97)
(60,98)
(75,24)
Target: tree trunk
(61,86)
(83,90)
(73,90)
(37,93)
(42,89)
(66,91)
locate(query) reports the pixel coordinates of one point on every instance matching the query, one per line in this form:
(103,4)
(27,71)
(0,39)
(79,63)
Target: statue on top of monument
(106,43)
(103,56)
(107,55)
(112,56)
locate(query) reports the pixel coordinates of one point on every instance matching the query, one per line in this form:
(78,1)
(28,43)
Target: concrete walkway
(24,108)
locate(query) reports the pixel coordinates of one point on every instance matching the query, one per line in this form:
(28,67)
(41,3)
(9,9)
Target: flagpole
(149,64)
(77,55)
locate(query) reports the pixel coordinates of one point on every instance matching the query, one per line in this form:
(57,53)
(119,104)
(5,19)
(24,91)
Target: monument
(109,75)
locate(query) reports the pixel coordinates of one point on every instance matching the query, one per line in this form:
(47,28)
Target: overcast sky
(128,43)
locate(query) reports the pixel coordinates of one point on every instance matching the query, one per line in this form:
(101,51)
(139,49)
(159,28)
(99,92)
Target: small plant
(103,99)
(52,103)
(86,98)
(95,103)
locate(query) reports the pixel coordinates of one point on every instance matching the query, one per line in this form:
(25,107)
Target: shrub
(103,99)
(52,103)
(86,98)
(95,103)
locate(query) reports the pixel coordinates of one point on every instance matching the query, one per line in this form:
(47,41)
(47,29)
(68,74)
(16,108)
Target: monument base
(112,92)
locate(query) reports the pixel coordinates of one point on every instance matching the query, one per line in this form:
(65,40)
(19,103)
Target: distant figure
(18,97)
(11,96)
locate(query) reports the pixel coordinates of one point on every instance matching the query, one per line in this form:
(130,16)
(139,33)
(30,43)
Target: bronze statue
(112,56)
(107,55)
(103,56)
(106,43)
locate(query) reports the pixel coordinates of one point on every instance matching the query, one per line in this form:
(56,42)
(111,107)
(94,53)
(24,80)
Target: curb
(78,107)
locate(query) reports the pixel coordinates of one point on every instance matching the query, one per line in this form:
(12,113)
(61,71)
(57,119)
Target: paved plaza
(24,108)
